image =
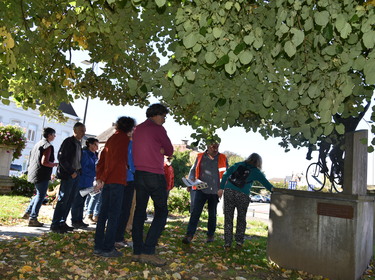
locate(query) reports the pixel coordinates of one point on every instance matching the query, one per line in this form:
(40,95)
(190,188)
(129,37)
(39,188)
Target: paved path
(11,232)
(256,211)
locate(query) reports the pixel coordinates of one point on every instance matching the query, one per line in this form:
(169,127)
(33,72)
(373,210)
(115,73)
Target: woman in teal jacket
(238,197)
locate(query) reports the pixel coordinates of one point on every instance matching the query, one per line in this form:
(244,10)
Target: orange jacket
(222,165)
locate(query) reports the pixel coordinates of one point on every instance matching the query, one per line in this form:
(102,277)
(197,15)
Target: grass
(69,256)
(12,208)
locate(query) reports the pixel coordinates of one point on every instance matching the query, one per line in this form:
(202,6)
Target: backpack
(238,177)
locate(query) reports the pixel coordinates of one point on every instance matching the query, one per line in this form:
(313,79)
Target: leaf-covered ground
(70,256)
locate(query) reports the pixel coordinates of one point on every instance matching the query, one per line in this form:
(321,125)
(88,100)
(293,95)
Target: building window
(15,122)
(31,132)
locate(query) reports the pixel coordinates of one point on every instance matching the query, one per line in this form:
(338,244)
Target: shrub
(11,135)
(179,201)
(22,186)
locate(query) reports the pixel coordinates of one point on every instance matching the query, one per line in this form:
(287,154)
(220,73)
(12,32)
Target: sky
(276,162)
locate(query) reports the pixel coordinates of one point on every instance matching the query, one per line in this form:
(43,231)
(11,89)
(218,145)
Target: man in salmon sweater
(150,144)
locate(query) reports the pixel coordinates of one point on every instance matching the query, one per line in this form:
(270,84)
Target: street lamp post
(87,62)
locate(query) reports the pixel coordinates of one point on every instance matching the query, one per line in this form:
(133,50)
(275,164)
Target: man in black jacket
(69,157)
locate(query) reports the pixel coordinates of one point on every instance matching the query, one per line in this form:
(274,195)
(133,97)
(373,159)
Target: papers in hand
(86,191)
(200,185)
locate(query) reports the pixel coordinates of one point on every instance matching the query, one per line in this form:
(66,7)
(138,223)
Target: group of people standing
(133,160)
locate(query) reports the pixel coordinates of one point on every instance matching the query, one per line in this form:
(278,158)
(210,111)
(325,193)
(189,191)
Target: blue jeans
(125,211)
(199,201)
(155,186)
(93,203)
(112,195)
(77,207)
(68,190)
(192,197)
(37,201)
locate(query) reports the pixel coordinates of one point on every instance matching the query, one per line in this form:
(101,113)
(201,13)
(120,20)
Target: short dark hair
(156,110)
(78,124)
(255,160)
(125,124)
(47,131)
(91,140)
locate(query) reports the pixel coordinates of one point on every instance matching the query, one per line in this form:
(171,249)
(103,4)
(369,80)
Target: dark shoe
(239,246)
(112,254)
(26,216)
(35,223)
(97,252)
(187,239)
(210,239)
(227,247)
(136,258)
(65,227)
(57,229)
(79,225)
(152,259)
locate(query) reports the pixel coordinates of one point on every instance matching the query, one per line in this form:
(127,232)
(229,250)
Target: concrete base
(6,184)
(321,233)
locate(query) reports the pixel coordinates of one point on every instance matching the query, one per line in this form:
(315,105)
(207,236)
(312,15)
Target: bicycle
(317,175)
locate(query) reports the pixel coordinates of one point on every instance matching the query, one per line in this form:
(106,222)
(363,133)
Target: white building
(33,124)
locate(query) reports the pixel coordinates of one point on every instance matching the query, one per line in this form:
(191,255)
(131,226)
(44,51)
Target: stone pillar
(355,164)
(6,156)
(328,234)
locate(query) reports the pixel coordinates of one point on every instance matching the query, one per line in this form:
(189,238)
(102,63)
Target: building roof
(67,108)
(104,136)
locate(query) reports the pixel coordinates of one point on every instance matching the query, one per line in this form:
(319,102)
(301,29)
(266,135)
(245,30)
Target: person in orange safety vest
(209,167)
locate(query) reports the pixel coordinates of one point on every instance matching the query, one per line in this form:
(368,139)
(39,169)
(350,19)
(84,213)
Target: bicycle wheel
(315,177)
(337,183)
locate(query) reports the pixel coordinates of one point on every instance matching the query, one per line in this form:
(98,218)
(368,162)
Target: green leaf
(5,101)
(230,67)
(239,48)
(340,128)
(313,91)
(369,71)
(217,32)
(276,50)
(283,28)
(249,39)
(228,5)
(290,48)
(245,57)
(340,22)
(190,75)
(210,57)
(321,18)
(309,24)
(369,39)
(328,129)
(170,74)
(328,32)
(132,84)
(178,80)
(346,31)
(298,36)
(221,102)
(160,3)
(223,60)
(190,40)
(258,43)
